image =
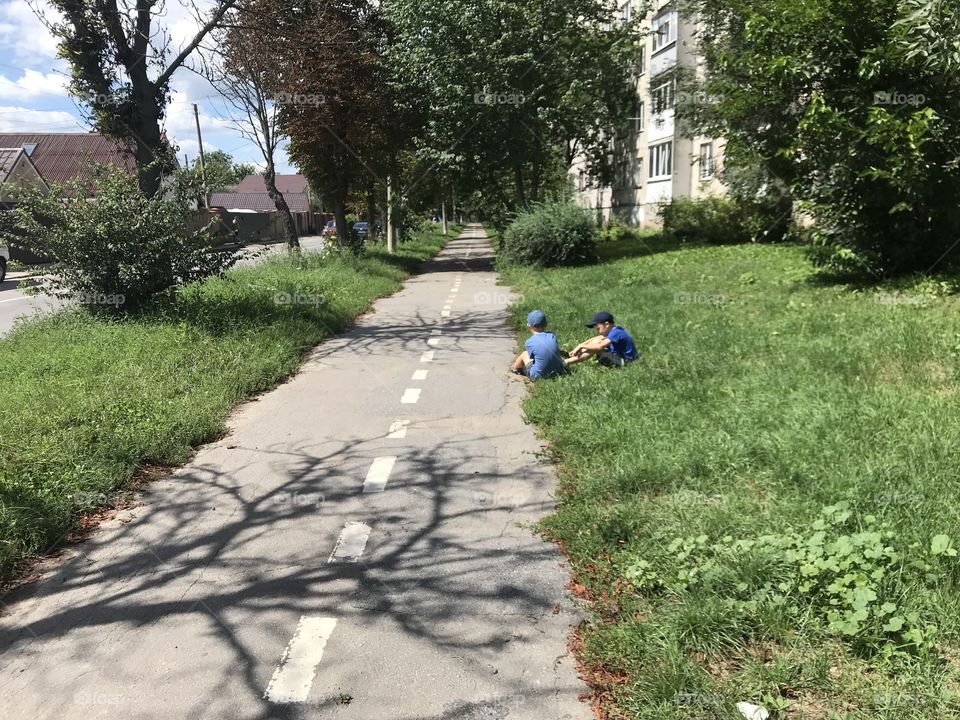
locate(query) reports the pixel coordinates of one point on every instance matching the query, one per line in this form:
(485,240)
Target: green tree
(334,101)
(121,62)
(512,91)
(849,106)
(220,171)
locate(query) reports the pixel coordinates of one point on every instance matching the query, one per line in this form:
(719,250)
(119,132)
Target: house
(285,184)
(65,158)
(17,168)
(654,160)
(258,201)
(250,197)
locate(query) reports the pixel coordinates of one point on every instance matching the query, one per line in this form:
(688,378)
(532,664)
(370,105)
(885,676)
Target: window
(661,160)
(582,181)
(625,12)
(706,161)
(638,171)
(661,97)
(638,119)
(642,62)
(664,30)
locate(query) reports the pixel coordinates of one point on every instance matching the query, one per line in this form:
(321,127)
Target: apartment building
(654,161)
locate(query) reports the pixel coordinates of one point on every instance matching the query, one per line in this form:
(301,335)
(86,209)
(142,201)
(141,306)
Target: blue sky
(33,95)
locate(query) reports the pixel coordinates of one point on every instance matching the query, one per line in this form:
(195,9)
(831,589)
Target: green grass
(762,396)
(87,401)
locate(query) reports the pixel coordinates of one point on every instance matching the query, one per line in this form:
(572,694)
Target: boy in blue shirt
(613,346)
(541,357)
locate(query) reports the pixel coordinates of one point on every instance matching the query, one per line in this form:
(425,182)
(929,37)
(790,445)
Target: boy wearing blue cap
(613,346)
(541,357)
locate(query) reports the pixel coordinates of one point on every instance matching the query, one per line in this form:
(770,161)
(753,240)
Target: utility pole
(203,172)
(391,245)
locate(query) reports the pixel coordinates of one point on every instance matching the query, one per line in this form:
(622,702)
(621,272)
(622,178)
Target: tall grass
(86,401)
(762,396)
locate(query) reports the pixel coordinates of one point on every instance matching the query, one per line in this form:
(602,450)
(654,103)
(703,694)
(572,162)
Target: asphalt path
(358,546)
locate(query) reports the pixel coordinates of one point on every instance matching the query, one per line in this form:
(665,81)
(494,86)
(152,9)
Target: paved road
(356,547)
(15,305)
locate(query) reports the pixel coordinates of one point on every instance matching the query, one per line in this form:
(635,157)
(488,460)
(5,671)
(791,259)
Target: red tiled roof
(258,201)
(285,184)
(65,157)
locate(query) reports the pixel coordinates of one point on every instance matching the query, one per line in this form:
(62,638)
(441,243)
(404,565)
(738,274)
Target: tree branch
(222,10)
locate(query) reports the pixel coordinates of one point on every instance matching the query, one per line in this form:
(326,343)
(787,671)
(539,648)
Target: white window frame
(660,39)
(707,161)
(661,161)
(640,118)
(658,106)
(626,11)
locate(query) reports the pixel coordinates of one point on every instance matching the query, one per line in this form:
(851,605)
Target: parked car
(362,230)
(4,258)
(329,229)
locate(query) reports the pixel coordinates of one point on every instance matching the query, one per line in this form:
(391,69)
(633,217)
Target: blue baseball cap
(537,319)
(600,317)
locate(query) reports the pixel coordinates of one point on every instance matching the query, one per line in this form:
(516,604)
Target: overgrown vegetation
(88,400)
(550,234)
(852,108)
(762,509)
(710,220)
(120,251)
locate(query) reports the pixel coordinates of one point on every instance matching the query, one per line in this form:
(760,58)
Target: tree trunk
(371,208)
(340,216)
(151,150)
(345,235)
(518,186)
(280,202)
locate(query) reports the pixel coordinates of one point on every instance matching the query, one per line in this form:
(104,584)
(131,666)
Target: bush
(550,234)
(119,251)
(711,220)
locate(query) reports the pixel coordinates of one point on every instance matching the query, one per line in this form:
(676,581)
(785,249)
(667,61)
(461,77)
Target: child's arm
(595,343)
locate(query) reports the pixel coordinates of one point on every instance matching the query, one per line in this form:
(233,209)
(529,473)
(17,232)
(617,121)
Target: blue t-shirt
(545,351)
(622,344)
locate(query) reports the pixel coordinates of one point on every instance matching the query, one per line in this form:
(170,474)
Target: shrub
(121,249)
(550,234)
(711,220)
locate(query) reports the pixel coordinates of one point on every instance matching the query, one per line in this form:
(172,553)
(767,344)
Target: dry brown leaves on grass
(35,568)
(603,683)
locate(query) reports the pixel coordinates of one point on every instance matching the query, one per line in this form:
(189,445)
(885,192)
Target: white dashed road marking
(434,342)
(410,396)
(445,313)
(293,677)
(436,332)
(419,374)
(353,539)
(398,430)
(427,356)
(378,475)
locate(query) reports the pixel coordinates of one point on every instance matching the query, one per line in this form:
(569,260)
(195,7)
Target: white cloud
(25,35)
(20,119)
(180,120)
(33,84)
